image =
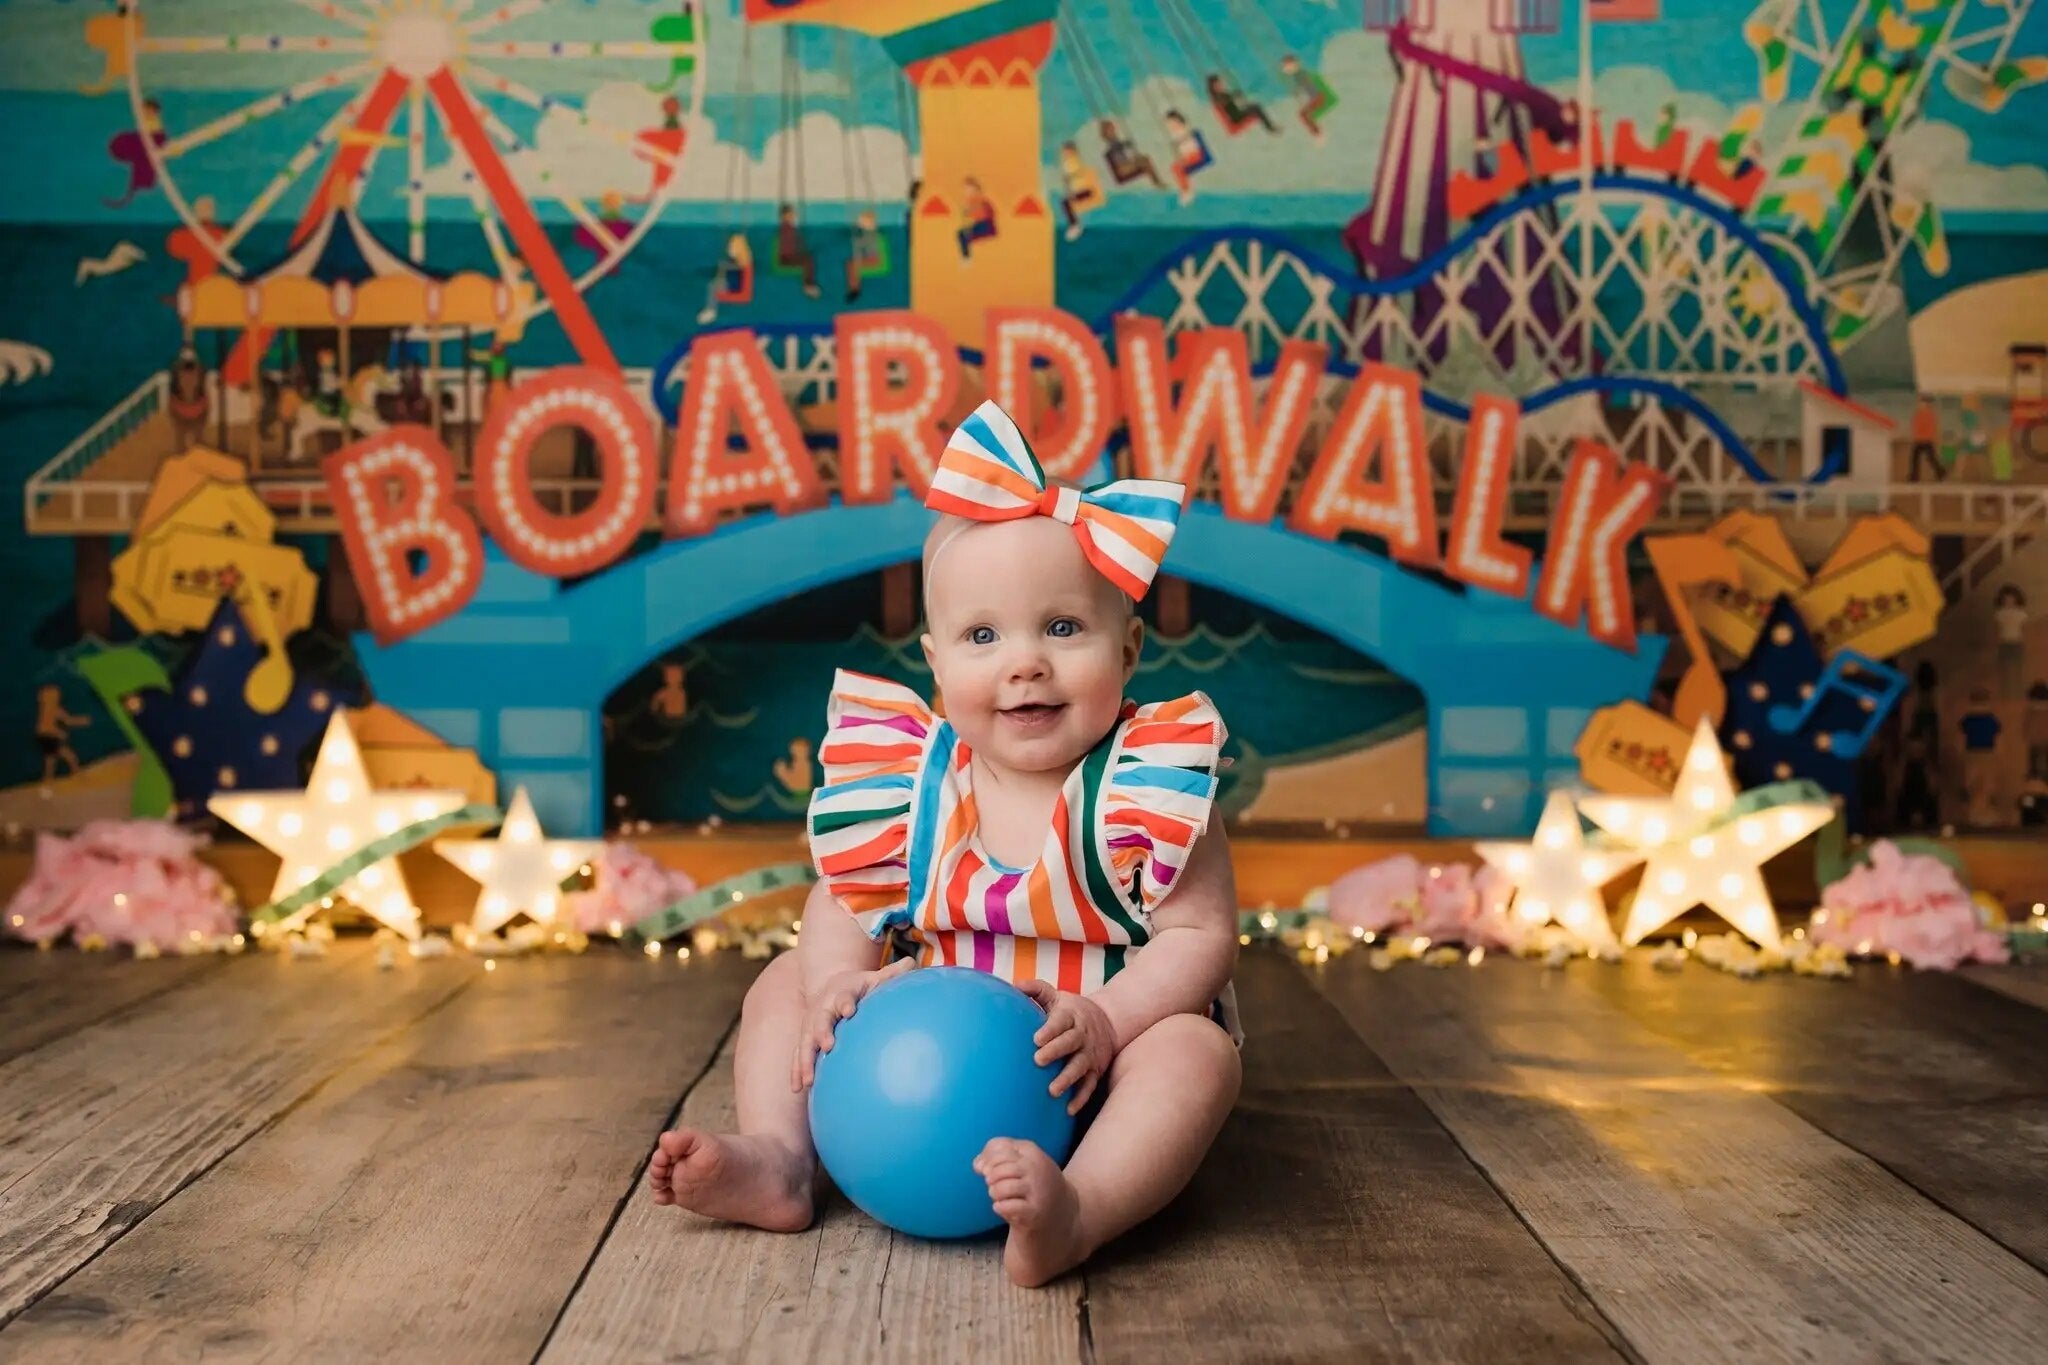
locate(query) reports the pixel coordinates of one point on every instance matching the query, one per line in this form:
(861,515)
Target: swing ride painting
(1730,244)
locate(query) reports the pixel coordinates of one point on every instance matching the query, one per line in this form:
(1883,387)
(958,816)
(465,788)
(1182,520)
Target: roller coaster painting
(1650,284)
(1657,283)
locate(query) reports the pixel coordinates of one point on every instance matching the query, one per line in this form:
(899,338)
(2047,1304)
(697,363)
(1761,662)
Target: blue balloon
(931,1066)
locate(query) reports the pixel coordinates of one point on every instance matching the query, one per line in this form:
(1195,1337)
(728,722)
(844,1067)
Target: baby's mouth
(1033,714)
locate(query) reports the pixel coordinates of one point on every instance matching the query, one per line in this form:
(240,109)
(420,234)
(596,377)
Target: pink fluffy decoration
(629,886)
(1908,904)
(125,881)
(1445,904)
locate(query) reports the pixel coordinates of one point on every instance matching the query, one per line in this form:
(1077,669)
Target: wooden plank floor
(321,1160)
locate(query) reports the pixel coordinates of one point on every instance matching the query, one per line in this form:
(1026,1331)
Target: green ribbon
(1252,922)
(719,897)
(376,851)
(1798,791)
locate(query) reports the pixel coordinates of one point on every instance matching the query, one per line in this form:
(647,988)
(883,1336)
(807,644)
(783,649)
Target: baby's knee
(1192,1045)
(779,986)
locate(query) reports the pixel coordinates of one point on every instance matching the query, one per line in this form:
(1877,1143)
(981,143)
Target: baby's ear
(1134,645)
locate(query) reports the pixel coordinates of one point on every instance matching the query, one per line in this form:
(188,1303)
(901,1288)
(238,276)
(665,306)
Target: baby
(1044,829)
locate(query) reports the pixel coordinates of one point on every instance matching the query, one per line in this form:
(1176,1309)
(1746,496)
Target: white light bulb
(290,824)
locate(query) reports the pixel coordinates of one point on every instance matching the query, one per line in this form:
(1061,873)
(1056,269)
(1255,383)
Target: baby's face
(1031,647)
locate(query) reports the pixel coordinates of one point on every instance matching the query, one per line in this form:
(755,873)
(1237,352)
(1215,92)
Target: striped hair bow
(988,473)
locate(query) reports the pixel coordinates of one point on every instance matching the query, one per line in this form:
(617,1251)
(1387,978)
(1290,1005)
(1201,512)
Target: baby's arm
(832,942)
(836,966)
(1192,951)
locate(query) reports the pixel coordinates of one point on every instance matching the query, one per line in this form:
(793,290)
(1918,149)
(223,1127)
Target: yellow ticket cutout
(1629,750)
(207,490)
(1878,606)
(174,583)
(400,752)
(1732,616)
(203,537)
(436,769)
(1874,534)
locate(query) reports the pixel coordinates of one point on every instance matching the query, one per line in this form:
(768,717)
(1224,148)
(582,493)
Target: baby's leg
(1169,1092)
(765,1174)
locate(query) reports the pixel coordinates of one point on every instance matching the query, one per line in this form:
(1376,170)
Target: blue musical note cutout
(1874,687)
(1792,713)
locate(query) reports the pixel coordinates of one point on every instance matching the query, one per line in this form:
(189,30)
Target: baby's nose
(1028,662)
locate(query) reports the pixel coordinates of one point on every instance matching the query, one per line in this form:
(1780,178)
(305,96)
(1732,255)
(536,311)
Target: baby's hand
(837,1000)
(1074,1027)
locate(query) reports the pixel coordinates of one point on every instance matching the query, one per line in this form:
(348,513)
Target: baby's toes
(996,1150)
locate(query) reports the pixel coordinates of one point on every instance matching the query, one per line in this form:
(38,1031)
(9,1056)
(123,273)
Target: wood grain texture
(44,996)
(436,1200)
(99,1128)
(669,1285)
(1944,1084)
(1706,1221)
(1335,1220)
(2023,981)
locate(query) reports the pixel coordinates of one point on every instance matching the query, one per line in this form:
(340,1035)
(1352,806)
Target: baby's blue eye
(1064,627)
(982,635)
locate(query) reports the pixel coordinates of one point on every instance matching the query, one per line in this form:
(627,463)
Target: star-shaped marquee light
(336,817)
(521,871)
(1704,846)
(1557,878)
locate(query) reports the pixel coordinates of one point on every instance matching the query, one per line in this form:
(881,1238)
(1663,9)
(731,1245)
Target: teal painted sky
(744,147)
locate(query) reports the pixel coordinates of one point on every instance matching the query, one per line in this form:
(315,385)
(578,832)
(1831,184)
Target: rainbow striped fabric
(894,835)
(988,473)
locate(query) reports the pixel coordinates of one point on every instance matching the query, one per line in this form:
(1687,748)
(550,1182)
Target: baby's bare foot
(737,1177)
(1034,1196)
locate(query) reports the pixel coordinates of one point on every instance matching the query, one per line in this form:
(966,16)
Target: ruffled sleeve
(876,732)
(1159,792)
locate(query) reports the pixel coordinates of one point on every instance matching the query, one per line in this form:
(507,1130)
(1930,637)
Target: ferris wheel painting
(425,80)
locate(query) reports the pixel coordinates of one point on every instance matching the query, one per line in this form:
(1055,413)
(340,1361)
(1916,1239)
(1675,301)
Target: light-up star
(1556,877)
(1697,854)
(335,816)
(520,870)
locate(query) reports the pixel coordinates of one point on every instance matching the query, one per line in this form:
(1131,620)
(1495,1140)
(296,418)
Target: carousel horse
(356,416)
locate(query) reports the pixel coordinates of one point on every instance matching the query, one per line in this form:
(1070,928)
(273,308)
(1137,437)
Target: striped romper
(893,835)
